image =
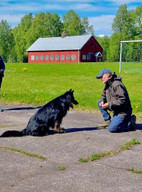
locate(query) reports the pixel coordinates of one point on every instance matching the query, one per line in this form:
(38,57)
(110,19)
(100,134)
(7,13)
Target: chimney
(63,34)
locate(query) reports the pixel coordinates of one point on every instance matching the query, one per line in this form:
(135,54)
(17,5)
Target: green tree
(21,38)
(86,28)
(123,22)
(37,28)
(30,29)
(45,25)
(74,25)
(137,16)
(128,22)
(127,25)
(6,40)
(105,44)
(55,25)
(120,21)
(113,51)
(71,23)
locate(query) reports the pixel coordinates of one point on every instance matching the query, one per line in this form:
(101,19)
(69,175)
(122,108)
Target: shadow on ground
(22,108)
(138,126)
(70,130)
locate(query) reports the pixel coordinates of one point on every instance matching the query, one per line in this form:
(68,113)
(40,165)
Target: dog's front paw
(59,130)
(62,130)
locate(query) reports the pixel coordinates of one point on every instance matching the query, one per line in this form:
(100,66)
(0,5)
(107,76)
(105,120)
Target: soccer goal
(130,56)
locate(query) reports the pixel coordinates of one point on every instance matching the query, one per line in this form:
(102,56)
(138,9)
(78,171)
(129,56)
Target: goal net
(130,56)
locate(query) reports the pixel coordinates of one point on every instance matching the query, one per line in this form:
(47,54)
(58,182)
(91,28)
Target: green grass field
(37,84)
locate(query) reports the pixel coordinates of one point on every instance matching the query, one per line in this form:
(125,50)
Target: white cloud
(102,24)
(19,8)
(89,1)
(12,18)
(34,7)
(13,11)
(84,7)
(37,7)
(63,7)
(102,35)
(119,2)
(70,1)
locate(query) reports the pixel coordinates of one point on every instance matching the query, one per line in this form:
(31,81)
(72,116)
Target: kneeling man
(115,98)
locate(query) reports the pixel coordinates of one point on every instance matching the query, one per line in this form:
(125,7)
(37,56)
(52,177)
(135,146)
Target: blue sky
(100,13)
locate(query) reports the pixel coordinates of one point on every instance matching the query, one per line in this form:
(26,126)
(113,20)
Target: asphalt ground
(20,172)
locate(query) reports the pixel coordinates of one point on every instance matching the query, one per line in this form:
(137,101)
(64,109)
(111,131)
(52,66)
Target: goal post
(121,48)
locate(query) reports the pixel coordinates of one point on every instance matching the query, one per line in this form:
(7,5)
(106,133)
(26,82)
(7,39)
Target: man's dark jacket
(2,67)
(115,93)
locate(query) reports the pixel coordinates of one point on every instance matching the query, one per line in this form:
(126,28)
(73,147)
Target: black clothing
(2,69)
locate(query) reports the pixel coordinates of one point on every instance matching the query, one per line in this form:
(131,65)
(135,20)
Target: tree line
(127,25)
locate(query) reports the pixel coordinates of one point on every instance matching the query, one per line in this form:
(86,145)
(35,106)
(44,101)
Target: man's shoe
(132,126)
(104,125)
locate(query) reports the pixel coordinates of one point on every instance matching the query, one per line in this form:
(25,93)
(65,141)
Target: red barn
(72,49)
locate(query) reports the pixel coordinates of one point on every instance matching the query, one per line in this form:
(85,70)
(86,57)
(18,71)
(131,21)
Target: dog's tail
(12,133)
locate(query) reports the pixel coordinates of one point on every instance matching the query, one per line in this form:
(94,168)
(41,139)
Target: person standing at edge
(115,98)
(2,69)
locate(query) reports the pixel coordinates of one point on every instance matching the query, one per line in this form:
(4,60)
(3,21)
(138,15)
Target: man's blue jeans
(118,123)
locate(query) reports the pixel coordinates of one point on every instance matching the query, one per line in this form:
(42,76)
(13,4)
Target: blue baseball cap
(102,72)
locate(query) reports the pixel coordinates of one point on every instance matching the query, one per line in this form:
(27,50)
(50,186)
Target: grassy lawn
(39,83)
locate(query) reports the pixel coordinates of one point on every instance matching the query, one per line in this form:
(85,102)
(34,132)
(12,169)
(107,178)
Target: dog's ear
(71,90)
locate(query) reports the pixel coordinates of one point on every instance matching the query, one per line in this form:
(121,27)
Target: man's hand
(101,103)
(105,105)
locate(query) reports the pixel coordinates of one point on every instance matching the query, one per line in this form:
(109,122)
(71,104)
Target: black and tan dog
(47,117)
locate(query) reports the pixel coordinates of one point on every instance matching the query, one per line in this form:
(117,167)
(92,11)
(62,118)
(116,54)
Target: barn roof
(60,43)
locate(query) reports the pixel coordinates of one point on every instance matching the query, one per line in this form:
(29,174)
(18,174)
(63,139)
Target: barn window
(67,57)
(32,57)
(88,57)
(62,57)
(57,57)
(84,57)
(51,57)
(46,57)
(37,57)
(42,57)
(73,57)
